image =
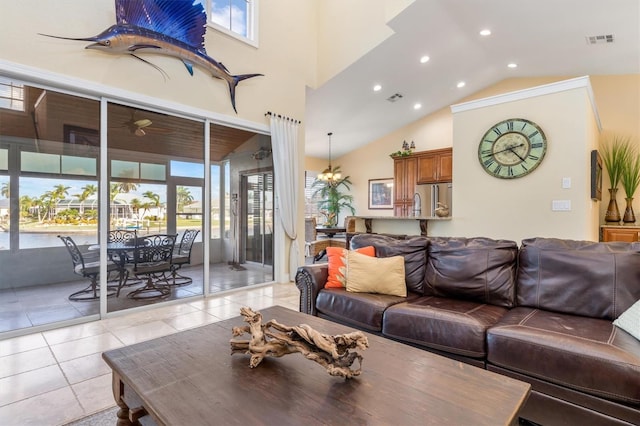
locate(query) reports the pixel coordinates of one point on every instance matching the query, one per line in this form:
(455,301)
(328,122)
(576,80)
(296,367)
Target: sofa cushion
(362,310)
(581,353)
(337,259)
(629,321)
(413,249)
(600,280)
(381,275)
(450,325)
(478,269)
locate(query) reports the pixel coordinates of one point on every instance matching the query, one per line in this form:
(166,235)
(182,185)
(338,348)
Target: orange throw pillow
(337,265)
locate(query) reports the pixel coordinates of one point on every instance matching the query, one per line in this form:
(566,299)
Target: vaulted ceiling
(543,37)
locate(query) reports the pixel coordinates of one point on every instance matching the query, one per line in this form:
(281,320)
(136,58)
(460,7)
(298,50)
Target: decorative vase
(629,216)
(612,214)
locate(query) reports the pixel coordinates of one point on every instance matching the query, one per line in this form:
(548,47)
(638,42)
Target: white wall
(349,29)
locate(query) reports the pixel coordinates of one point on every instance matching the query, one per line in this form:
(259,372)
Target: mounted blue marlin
(163,27)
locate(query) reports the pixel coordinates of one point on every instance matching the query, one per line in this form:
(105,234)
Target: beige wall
(618,102)
(286,56)
(521,208)
(285,61)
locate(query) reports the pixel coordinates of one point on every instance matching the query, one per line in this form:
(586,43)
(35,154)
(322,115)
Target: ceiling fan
(143,126)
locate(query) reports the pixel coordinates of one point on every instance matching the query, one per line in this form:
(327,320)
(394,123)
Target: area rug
(106,417)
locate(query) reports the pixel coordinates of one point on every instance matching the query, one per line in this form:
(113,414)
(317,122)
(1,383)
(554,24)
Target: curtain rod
(283,117)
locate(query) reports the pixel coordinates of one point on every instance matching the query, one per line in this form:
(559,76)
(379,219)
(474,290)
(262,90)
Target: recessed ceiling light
(377,88)
(461,84)
(417,106)
(512,65)
(424,59)
(485,32)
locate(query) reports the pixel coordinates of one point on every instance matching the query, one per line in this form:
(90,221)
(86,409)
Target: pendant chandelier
(330,175)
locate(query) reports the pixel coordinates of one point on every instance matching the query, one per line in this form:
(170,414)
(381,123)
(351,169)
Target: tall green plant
(615,151)
(332,199)
(630,175)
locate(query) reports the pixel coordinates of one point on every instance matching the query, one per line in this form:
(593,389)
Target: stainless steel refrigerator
(428,196)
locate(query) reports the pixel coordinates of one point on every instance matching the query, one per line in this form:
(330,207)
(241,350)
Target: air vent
(600,39)
(395,97)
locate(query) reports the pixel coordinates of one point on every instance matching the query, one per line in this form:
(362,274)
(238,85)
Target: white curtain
(284,144)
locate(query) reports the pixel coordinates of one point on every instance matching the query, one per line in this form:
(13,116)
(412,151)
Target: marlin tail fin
(234,82)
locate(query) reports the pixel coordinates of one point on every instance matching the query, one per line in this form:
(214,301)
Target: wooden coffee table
(190,378)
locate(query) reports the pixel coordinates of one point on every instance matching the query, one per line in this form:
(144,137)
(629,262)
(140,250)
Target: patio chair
(182,256)
(128,237)
(152,256)
(87,265)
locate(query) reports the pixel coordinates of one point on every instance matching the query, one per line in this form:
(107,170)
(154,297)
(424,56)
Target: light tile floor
(57,376)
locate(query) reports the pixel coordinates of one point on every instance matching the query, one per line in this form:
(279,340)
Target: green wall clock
(512,148)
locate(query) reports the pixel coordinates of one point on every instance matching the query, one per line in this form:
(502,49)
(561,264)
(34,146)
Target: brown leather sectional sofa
(541,313)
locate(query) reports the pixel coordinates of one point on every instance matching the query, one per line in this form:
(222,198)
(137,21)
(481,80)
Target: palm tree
(26,203)
(87,191)
(136,205)
(46,201)
(126,186)
(58,194)
(332,200)
(183,197)
(114,190)
(154,202)
(4,191)
(51,198)
(38,203)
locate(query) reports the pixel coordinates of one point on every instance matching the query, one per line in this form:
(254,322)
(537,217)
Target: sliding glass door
(49,160)
(257,226)
(55,182)
(150,154)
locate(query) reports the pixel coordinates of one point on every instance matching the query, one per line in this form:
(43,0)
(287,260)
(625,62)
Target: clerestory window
(237,18)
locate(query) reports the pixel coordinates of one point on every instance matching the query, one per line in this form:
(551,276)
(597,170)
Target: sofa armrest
(310,279)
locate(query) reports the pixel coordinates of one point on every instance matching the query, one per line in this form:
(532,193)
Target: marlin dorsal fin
(181,19)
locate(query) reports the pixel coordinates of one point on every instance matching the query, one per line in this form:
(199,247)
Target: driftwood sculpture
(334,353)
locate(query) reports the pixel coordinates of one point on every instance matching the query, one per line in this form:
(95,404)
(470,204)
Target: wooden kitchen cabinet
(435,166)
(404,182)
(628,234)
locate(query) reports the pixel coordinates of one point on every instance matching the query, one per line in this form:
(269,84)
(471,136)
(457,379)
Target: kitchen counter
(389,224)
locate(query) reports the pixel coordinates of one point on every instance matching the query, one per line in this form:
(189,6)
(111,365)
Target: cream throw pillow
(382,275)
(629,321)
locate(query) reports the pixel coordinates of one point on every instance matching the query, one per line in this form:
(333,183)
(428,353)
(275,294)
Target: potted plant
(332,199)
(615,149)
(630,179)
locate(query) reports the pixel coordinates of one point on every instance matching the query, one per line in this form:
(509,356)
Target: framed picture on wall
(596,176)
(381,193)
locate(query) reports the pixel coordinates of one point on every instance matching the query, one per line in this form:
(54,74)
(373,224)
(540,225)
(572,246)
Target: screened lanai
(78,166)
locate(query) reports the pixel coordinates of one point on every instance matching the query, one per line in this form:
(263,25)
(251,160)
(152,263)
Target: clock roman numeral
(536,133)
(534,157)
(510,126)
(488,162)
(537,145)
(497,169)
(510,171)
(497,131)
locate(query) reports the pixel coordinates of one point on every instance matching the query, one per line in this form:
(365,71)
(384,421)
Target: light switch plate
(566,182)
(561,205)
